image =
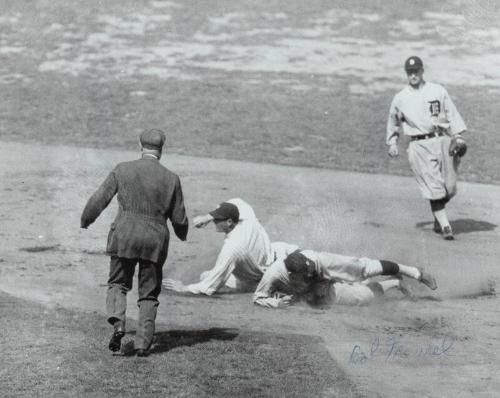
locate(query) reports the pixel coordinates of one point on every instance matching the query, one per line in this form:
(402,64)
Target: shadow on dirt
(59,248)
(463,225)
(37,249)
(168,340)
(165,341)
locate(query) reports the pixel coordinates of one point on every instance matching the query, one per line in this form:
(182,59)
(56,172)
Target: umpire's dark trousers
(121,275)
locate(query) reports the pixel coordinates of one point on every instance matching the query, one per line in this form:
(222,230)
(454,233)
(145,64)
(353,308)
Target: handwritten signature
(394,347)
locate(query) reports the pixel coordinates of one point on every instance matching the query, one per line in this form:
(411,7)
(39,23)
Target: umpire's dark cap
(152,139)
(413,63)
(296,262)
(226,211)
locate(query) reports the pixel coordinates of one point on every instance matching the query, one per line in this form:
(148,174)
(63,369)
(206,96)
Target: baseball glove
(458,147)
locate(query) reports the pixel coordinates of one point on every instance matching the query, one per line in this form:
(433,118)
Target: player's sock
(392,268)
(372,268)
(389,267)
(389,284)
(438,207)
(409,271)
(442,218)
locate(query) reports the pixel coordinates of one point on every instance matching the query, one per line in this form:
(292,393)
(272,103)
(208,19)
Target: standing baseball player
(246,252)
(327,278)
(425,112)
(148,195)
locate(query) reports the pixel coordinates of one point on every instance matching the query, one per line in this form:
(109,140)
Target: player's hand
(393,150)
(284,301)
(201,221)
(174,285)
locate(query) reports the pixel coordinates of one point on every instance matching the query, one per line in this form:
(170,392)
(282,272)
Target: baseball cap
(226,211)
(413,63)
(152,139)
(297,262)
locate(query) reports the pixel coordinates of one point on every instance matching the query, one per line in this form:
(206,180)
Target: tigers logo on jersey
(434,107)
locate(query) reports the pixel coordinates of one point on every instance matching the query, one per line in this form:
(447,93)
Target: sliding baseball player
(327,278)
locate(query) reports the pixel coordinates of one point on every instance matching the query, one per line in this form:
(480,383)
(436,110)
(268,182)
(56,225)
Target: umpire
(148,195)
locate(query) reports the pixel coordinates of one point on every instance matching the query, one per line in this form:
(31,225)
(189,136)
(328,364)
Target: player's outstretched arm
(278,300)
(176,286)
(284,301)
(202,221)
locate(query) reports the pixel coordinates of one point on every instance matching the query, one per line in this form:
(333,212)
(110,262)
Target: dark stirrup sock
(389,267)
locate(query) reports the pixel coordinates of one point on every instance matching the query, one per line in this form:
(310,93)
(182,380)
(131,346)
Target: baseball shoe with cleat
(116,340)
(447,233)
(428,280)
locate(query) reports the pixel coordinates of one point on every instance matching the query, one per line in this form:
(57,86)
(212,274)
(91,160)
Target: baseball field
(283,104)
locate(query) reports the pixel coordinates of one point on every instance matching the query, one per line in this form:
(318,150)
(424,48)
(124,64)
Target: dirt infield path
(395,348)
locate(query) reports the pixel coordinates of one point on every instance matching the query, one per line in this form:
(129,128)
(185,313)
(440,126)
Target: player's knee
(371,268)
(376,288)
(389,267)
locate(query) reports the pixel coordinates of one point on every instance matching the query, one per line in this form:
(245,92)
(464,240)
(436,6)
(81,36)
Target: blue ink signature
(396,348)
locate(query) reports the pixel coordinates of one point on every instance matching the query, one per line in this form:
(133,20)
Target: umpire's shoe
(447,233)
(428,280)
(116,339)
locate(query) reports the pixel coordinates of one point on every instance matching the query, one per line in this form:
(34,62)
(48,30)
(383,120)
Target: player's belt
(425,136)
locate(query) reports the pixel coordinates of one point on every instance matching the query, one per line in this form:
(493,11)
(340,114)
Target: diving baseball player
(323,277)
(246,252)
(425,112)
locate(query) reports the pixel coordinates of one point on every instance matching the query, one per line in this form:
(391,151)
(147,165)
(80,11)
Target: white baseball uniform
(416,113)
(246,252)
(346,270)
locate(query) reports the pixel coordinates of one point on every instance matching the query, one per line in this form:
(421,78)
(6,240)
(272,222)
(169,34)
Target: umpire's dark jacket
(148,195)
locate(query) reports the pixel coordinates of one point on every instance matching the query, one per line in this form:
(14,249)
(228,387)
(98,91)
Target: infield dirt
(428,344)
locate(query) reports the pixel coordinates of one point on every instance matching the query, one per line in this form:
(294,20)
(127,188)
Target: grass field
(63,354)
(276,82)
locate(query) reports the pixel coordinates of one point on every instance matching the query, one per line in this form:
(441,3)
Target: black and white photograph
(250,198)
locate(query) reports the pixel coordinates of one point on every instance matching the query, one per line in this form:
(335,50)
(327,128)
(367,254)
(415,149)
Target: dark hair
(296,262)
